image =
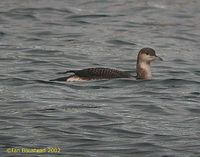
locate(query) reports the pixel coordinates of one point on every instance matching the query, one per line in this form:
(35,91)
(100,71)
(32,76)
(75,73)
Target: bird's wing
(100,73)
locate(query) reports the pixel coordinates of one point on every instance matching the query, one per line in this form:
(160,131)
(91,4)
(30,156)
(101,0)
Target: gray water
(104,118)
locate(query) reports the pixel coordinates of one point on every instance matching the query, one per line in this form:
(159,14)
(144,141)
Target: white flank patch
(74,78)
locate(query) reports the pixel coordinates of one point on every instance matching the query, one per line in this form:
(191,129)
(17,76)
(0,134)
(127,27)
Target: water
(115,118)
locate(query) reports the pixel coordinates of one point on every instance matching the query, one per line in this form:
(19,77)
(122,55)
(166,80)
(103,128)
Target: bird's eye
(147,53)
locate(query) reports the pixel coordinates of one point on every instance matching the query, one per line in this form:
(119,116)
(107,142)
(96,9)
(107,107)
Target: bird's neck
(143,70)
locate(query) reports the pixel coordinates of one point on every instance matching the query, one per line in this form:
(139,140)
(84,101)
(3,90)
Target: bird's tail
(66,77)
(68,71)
(60,79)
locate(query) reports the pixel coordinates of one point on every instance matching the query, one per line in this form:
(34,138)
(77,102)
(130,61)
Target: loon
(143,70)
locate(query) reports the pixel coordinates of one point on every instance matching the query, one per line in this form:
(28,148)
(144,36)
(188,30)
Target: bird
(143,69)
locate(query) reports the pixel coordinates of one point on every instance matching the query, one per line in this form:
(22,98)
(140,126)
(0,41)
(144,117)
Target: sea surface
(100,118)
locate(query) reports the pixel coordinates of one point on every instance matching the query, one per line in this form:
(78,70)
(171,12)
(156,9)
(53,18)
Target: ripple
(174,81)
(152,109)
(91,16)
(194,110)
(21,13)
(120,42)
(36,10)
(2,34)
(197,73)
(41,52)
(195,93)
(15,81)
(181,38)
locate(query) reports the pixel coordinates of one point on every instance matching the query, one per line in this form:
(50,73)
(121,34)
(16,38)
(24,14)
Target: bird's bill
(158,58)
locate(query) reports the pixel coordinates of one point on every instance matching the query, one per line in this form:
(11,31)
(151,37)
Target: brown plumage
(93,73)
(145,57)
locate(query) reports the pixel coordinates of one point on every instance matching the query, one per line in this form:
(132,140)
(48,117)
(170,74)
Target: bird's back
(101,73)
(93,73)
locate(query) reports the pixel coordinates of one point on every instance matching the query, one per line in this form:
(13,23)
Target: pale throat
(143,71)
